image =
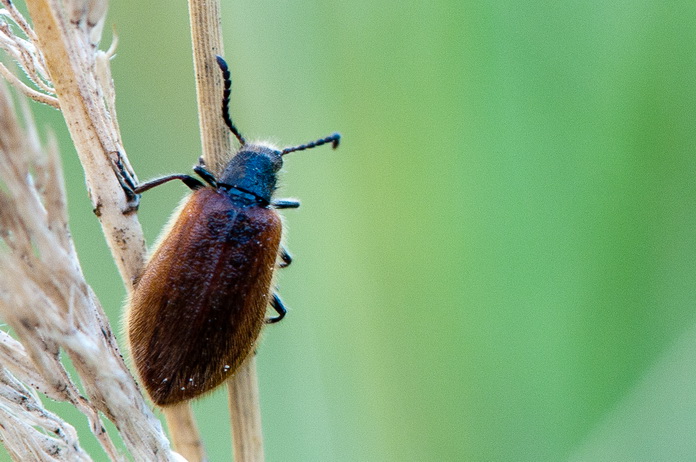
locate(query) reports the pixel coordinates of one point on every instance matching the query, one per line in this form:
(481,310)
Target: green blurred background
(499,261)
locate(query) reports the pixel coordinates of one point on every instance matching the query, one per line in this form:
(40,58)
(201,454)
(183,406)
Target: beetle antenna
(334,139)
(226,99)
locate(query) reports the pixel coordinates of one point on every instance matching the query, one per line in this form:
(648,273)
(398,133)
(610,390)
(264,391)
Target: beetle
(199,305)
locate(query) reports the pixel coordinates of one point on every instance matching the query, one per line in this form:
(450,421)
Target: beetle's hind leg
(277,305)
(285,257)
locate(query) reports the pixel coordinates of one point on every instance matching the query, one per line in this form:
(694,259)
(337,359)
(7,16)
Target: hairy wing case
(201,301)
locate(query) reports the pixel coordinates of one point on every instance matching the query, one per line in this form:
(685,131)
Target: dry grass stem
(215,143)
(46,301)
(68,33)
(185,435)
(43,295)
(43,261)
(246,415)
(206,35)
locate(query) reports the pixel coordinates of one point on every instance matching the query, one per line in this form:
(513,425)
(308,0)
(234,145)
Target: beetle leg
(188,180)
(277,305)
(125,176)
(205,174)
(125,179)
(285,257)
(129,190)
(285,204)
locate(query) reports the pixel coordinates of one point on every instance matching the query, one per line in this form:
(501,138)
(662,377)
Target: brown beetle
(200,303)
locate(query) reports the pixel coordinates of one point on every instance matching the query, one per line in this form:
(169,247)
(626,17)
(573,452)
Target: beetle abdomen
(200,303)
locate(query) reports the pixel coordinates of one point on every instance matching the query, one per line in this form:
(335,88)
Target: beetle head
(254,169)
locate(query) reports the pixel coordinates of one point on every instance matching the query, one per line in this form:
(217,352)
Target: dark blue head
(254,170)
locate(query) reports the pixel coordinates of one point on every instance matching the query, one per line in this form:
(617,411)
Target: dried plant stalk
(67,34)
(43,294)
(184,432)
(246,413)
(43,261)
(47,302)
(206,37)
(243,390)
(215,142)
(45,298)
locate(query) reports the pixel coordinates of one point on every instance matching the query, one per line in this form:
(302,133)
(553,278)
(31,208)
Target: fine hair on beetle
(200,303)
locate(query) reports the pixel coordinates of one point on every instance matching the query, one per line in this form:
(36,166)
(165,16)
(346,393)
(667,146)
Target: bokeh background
(499,262)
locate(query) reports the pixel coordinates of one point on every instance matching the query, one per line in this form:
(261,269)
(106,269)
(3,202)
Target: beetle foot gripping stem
(127,182)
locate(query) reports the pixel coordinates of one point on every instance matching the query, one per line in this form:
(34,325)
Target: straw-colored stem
(206,35)
(84,117)
(67,313)
(207,42)
(243,390)
(186,438)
